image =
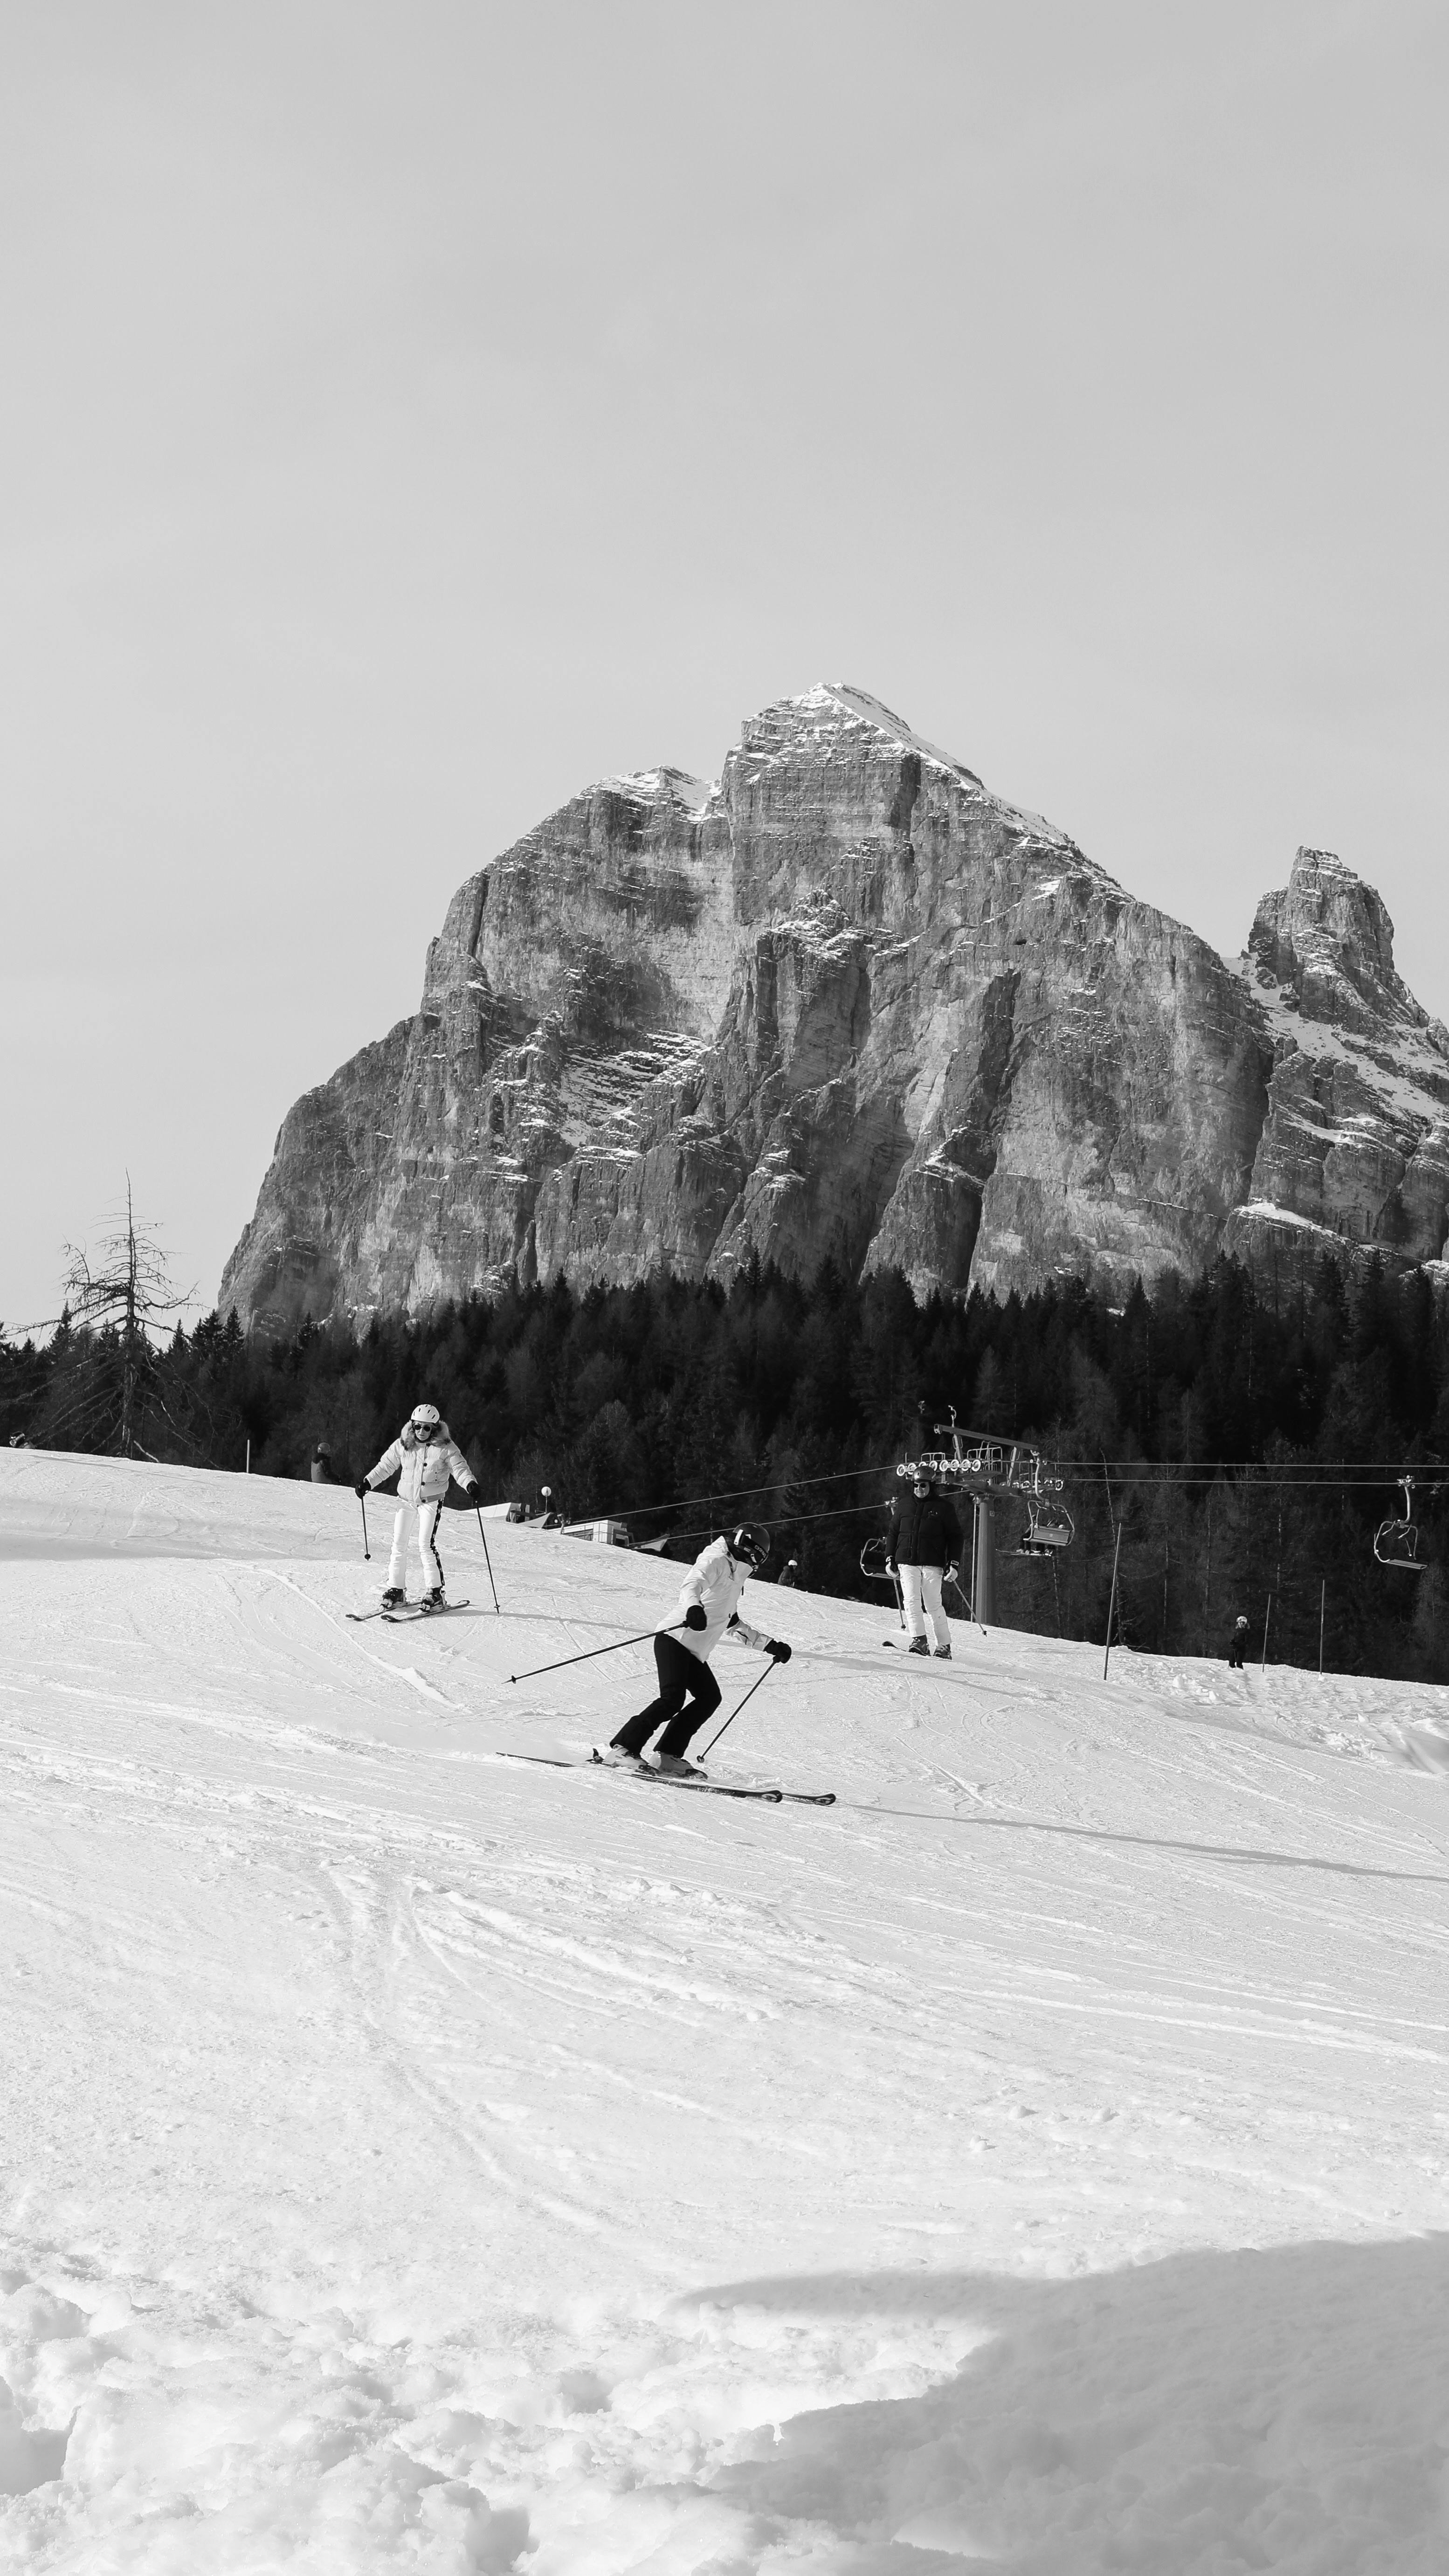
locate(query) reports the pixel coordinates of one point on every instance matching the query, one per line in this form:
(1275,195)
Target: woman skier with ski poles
(428,1457)
(709,1605)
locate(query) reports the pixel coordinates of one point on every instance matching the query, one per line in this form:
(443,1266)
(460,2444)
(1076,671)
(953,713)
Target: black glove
(694,1616)
(362,1491)
(777,1650)
(472,1493)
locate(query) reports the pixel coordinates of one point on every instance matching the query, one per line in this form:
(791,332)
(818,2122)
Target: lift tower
(980,1464)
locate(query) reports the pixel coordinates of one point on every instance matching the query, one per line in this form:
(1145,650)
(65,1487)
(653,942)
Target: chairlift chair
(1048,1527)
(1396,1540)
(875,1565)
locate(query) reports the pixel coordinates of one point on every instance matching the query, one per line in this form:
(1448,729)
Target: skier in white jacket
(709,1607)
(427,1456)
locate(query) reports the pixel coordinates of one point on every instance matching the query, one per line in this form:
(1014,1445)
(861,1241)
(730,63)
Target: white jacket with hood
(427,1461)
(715,1581)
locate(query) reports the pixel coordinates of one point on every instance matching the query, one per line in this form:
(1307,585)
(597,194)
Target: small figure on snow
(924,1538)
(789,1574)
(427,1456)
(1237,1642)
(709,1606)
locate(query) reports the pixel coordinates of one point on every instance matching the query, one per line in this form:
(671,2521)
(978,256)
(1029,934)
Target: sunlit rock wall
(847,1002)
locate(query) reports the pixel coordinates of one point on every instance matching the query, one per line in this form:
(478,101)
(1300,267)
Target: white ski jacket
(426,1465)
(716,1582)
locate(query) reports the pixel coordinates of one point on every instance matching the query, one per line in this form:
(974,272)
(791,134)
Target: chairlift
(876,1566)
(1049,1526)
(1396,1540)
(875,1561)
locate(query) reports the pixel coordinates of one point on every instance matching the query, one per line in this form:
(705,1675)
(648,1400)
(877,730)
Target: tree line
(1207,1420)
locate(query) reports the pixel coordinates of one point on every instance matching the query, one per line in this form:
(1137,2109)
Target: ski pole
(964,1598)
(535,1669)
(488,1561)
(366,1550)
(734,1712)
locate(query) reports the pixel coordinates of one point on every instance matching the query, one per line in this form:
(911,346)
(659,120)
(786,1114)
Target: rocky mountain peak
(847,1001)
(664,787)
(1354,1152)
(828,717)
(1326,939)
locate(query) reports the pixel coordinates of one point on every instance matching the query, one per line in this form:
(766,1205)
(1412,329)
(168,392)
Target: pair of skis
(675,1780)
(405,1611)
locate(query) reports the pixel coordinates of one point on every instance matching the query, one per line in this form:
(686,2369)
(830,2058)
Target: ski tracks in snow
(422,2160)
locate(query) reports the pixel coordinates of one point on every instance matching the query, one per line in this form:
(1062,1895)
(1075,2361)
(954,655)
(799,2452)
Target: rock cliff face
(848,1002)
(1355,1146)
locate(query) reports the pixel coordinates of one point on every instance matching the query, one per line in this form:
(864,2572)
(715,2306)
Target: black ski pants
(681,1677)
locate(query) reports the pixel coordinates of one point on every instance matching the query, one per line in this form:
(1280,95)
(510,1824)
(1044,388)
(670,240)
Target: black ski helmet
(750,1544)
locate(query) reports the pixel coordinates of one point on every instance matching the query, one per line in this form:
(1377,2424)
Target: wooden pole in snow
(1112,1604)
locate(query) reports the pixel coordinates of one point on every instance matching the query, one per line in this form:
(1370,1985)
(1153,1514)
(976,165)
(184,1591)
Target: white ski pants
(426,1516)
(921,1591)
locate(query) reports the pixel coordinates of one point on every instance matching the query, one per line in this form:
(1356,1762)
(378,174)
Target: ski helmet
(750,1544)
(425,1417)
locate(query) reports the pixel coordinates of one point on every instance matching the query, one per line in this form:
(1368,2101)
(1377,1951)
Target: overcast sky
(411,413)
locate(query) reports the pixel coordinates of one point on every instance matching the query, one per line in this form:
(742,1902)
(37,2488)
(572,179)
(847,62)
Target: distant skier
(1237,1642)
(709,1605)
(789,1574)
(321,1464)
(427,1456)
(924,1538)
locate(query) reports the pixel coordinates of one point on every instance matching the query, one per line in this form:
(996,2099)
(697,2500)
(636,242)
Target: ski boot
(942,1654)
(394,1597)
(434,1600)
(674,1766)
(918,1646)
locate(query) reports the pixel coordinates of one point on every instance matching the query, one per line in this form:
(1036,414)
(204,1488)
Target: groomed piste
(416,2159)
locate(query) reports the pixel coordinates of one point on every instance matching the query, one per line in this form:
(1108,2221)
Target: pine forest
(1248,1446)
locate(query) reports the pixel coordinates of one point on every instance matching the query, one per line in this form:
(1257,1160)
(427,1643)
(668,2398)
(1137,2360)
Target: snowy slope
(416,2159)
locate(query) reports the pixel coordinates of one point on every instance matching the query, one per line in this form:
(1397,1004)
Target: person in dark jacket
(923,1539)
(1237,1642)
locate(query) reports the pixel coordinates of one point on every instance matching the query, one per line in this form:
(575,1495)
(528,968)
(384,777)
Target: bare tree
(125,1297)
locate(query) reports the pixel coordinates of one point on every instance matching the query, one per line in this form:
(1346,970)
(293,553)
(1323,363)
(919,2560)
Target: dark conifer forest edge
(1211,1419)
